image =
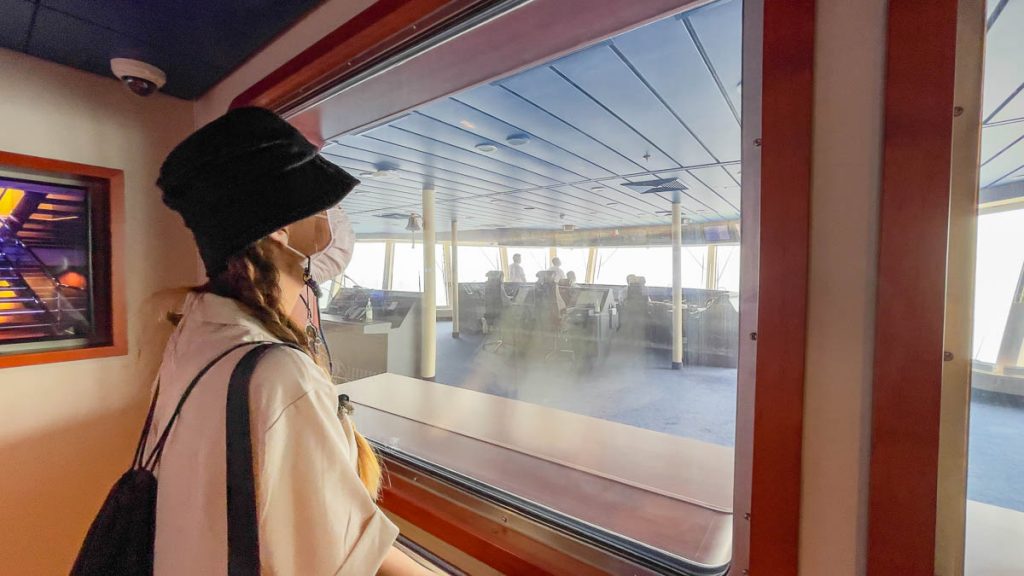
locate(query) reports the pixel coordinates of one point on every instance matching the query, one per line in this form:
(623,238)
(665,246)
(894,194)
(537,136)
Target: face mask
(309,258)
(334,260)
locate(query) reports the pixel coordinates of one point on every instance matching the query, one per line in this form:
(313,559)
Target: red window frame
(776,343)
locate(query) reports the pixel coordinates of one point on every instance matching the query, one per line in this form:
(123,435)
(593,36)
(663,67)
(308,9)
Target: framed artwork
(61,292)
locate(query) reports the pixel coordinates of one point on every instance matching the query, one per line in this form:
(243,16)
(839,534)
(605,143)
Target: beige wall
(848,81)
(67,430)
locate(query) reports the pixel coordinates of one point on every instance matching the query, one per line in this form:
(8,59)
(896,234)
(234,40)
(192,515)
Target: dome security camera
(141,78)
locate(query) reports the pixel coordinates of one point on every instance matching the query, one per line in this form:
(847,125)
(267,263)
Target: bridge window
(579,400)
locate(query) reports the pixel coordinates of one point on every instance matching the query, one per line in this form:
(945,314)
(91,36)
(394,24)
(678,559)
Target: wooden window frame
(106,192)
(778,104)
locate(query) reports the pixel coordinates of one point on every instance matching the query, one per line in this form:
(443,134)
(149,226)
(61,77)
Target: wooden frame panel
(913,234)
(783,236)
(111,216)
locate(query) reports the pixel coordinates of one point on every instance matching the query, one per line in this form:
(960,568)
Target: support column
(503,256)
(711,268)
(677,286)
(455,278)
(591,265)
(428,304)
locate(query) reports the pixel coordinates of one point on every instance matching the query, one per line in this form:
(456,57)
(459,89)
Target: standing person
(556,270)
(515,270)
(254,193)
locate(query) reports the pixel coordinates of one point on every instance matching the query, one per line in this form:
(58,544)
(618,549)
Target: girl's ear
(279,236)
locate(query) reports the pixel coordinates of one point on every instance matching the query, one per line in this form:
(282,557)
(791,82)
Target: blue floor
(995,474)
(637,387)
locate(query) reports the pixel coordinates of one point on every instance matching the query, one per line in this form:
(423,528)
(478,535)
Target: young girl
(254,193)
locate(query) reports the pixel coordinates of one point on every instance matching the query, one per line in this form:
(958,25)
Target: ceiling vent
(656,186)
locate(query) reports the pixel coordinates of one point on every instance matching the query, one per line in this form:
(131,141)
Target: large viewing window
(366,269)
(577,397)
(408,270)
(476,261)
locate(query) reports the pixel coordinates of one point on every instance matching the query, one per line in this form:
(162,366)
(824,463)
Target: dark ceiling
(196,42)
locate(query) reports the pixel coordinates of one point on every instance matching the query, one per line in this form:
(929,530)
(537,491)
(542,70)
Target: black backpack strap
(243,530)
(158,448)
(141,448)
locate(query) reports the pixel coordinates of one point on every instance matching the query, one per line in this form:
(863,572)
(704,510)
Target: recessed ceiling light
(612,204)
(596,188)
(518,139)
(486,147)
(528,208)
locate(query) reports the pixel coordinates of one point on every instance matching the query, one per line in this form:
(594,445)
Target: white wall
(67,430)
(846,179)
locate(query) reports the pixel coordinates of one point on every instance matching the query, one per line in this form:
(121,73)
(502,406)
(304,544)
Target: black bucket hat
(243,176)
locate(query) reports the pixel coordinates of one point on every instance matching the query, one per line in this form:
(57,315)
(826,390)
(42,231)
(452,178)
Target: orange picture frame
(106,189)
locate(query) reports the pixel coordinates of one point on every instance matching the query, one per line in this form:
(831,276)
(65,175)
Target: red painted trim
(373,34)
(911,286)
(109,193)
(494,543)
(787,103)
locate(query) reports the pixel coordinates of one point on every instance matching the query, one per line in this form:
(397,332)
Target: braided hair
(252,279)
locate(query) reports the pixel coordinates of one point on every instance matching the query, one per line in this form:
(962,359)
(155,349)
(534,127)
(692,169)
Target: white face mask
(309,258)
(335,258)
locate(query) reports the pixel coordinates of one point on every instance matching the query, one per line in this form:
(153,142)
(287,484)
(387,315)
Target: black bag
(121,539)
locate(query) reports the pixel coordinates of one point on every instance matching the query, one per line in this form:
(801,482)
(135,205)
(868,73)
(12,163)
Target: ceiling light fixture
(518,139)
(486,147)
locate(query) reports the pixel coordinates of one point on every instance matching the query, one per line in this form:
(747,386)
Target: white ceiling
(658,102)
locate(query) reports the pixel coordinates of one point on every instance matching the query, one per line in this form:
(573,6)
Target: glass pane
(408,270)
(367,266)
(534,259)
(727,268)
(654,263)
(995,500)
(476,261)
(575,260)
(587,153)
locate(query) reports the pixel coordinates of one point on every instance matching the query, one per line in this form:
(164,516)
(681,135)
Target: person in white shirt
(556,270)
(515,270)
(255,193)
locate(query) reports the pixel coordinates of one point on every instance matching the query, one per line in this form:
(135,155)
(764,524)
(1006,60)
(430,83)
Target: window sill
(669,493)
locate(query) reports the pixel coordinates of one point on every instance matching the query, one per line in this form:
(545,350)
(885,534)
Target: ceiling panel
(536,151)
(647,105)
(552,92)
(1004,66)
(996,139)
(15,22)
(609,79)
(665,55)
(447,140)
(718,32)
(994,171)
(501,103)
(195,43)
